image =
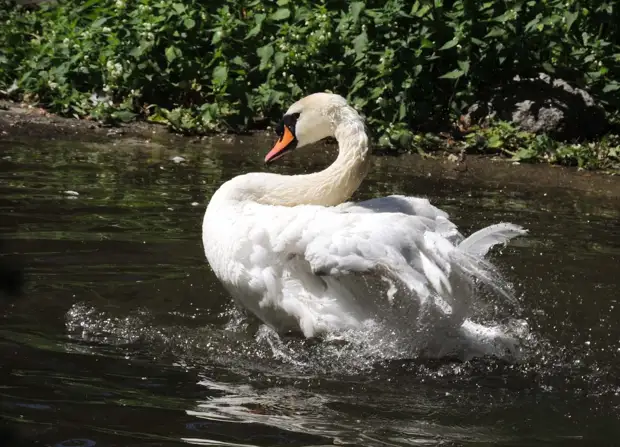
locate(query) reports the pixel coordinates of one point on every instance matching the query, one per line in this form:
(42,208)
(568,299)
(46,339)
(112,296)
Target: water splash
(241,343)
(237,348)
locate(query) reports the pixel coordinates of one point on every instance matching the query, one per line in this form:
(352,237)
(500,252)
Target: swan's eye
(280,129)
(289,121)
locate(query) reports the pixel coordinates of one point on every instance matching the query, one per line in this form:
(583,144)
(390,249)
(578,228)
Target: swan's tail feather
(479,243)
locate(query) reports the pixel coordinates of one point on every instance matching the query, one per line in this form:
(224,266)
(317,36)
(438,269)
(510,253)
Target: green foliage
(237,64)
(503,138)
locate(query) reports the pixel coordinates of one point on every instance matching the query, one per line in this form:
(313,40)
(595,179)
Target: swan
(292,250)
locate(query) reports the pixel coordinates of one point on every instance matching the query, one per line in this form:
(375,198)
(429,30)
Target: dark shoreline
(22,122)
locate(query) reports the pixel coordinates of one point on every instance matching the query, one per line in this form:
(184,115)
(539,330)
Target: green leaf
(426,43)
(179,7)
(265,53)
(385,141)
(611,87)
(172,53)
(97,23)
(505,16)
(376,92)
(278,60)
(360,43)
(495,141)
(217,35)
(220,74)
(358,82)
(464,65)
(402,111)
(570,19)
(449,44)
(356,9)
(238,60)
(283,2)
(123,115)
(259,19)
(532,23)
(422,11)
(524,154)
(138,51)
(454,74)
(281,14)
(496,32)
(189,23)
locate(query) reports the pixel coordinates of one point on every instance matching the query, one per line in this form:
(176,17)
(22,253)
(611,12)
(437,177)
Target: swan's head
(309,120)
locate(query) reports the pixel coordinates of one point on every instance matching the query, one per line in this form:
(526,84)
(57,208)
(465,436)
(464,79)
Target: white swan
(291,252)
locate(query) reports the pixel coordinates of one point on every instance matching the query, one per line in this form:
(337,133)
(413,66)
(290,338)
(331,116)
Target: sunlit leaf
(495,32)
(99,22)
(179,7)
(570,19)
(464,65)
(356,9)
(422,11)
(220,74)
(508,15)
(278,60)
(360,43)
(124,115)
(454,74)
(281,14)
(402,111)
(172,53)
(449,44)
(524,154)
(259,19)
(495,141)
(265,53)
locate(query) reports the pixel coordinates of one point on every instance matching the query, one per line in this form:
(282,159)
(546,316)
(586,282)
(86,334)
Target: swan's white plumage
(309,268)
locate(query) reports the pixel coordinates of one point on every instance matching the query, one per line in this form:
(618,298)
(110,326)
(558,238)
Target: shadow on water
(124,337)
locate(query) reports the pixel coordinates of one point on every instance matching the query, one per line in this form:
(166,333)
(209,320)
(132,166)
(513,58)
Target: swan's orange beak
(286,142)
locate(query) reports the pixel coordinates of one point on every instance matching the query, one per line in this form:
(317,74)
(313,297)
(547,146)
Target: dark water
(124,337)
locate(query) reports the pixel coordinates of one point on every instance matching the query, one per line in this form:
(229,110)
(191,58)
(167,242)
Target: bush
(237,64)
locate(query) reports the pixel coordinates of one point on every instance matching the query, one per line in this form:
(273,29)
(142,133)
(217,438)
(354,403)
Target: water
(124,337)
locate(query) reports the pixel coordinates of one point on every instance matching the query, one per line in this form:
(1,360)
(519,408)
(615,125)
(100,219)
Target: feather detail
(479,243)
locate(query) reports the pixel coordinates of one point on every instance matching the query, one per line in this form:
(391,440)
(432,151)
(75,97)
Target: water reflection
(124,337)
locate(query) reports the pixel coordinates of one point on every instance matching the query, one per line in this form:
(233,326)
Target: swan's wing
(364,258)
(326,268)
(412,206)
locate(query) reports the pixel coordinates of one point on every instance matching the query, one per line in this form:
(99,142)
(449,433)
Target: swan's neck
(329,187)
